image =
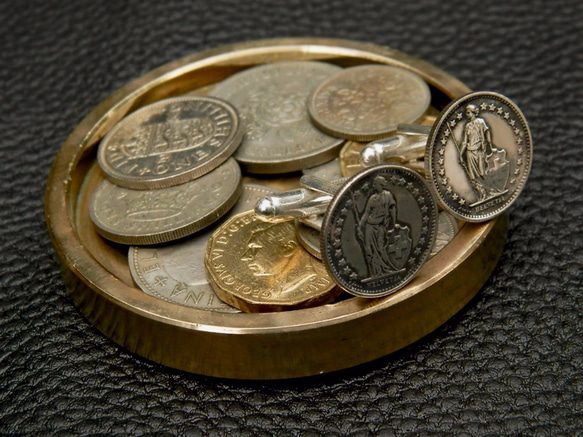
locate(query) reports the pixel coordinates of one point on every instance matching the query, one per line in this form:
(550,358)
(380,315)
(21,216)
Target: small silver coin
(309,238)
(478,156)
(142,217)
(271,100)
(170,142)
(379,230)
(330,170)
(176,273)
(447,228)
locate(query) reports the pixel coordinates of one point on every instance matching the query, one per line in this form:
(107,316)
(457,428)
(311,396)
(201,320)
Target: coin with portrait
(176,273)
(259,267)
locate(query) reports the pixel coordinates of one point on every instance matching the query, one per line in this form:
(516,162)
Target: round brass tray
(250,346)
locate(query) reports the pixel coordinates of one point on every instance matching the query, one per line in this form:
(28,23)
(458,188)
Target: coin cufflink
(478,156)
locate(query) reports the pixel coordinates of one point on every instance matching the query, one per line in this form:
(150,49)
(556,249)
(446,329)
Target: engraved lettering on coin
(479,155)
(131,216)
(170,142)
(379,230)
(368,102)
(271,99)
(258,266)
(176,272)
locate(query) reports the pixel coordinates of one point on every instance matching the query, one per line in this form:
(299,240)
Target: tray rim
(97,292)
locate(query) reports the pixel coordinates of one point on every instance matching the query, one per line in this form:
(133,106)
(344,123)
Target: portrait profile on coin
(273,254)
(379,230)
(258,266)
(478,155)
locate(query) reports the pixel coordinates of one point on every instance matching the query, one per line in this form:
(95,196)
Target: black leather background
(510,363)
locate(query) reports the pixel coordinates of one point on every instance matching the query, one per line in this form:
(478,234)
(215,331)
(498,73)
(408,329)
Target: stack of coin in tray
(362,218)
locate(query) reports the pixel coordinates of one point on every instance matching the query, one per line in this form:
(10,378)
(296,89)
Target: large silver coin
(271,100)
(379,230)
(170,142)
(479,155)
(368,102)
(131,216)
(176,273)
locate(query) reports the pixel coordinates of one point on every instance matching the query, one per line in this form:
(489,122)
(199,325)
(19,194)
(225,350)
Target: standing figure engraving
(386,243)
(480,158)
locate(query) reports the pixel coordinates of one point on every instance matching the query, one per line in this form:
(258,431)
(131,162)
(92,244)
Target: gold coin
(261,267)
(350,158)
(367,102)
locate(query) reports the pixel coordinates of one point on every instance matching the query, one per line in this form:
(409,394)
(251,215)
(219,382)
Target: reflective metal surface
(251,346)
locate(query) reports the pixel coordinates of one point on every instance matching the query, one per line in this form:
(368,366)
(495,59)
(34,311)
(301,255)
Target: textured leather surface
(510,363)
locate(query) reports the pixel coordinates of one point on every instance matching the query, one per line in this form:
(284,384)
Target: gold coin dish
(250,346)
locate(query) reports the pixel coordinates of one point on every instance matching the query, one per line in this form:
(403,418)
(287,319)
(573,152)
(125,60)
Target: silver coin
(479,155)
(379,230)
(368,102)
(271,100)
(176,273)
(447,228)
(330,170)
(140,217)
(170,142)
(309,238)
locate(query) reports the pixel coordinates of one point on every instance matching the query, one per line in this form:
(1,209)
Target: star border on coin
(446,183)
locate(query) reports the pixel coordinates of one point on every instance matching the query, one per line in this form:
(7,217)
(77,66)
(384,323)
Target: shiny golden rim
(250,346)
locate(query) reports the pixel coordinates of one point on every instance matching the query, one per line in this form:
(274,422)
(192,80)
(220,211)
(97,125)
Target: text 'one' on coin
(170,142)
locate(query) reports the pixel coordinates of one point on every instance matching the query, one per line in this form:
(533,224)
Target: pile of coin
(385,182)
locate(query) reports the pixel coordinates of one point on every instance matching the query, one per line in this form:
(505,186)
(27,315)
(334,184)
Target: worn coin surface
(447,228)
(170,142)
(271,99)
(259,267)
(142,217)
(479,155)
(308,237)
(367,102)
(379,230)
(330,170)
(176,272)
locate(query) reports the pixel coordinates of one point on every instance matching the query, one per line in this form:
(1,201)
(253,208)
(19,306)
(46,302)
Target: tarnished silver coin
(309,238)
(142,217)
(379,230)
(447,228)
(170,142)
(479,155)
(176,273)
(367,102)
(271,100)
(330,170)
